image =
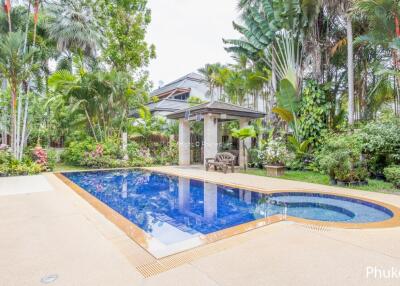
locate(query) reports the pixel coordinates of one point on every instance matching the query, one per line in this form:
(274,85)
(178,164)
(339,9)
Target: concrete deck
(53,231)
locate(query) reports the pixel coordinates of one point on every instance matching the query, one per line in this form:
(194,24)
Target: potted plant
(274,156)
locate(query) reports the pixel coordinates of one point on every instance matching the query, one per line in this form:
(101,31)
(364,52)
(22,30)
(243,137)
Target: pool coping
(144,239)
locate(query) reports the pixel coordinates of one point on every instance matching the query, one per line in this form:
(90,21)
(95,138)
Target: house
(174,96)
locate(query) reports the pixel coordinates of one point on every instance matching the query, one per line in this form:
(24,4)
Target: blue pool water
(173,209)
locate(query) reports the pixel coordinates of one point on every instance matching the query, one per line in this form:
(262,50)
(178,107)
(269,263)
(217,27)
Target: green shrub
(313,111)
(51,159)
(12,167)
(76,151)
(99,162)
(340,158)
(392,174)
(5,157)
(139,156)
(254,160)
(381,144)
(275,153)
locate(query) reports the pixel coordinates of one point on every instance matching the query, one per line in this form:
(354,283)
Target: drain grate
(313,227)
(170,262)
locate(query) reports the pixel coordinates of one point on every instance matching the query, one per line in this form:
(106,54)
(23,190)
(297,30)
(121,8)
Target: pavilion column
(184,142)
(210,136)
(243,123)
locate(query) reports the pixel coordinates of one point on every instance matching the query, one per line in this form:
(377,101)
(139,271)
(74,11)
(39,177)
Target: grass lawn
(317,178)
(61,167)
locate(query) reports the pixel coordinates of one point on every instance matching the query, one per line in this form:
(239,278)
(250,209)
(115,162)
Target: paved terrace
(46,228)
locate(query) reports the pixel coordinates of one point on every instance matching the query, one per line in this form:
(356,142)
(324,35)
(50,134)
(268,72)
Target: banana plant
(288,105)
(300,147)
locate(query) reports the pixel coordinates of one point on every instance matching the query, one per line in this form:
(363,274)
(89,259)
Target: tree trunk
(91,125)
(350,69)
(13,122)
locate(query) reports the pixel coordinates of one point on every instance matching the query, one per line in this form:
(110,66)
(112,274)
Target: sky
(188,34)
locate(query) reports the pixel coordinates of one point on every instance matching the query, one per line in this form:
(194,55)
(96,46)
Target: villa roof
(217,107)
(168,105)
(178,85)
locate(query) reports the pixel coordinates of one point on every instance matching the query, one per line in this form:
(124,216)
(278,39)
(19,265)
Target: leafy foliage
(340,158)
(381,143)
(392,174)
(313,112)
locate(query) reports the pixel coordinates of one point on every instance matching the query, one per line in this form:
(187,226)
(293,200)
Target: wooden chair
(221,161)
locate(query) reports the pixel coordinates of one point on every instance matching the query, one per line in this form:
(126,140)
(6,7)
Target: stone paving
(47,229)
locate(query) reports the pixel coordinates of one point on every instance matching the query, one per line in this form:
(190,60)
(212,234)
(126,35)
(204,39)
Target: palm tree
(16,67)
(384,31)
(210,72)
(342,7)
(73,27)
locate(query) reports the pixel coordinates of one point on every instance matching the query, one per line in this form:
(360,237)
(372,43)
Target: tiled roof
(217,107)
(179,83)
(169,105)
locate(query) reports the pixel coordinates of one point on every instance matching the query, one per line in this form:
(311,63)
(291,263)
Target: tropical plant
(381,143)
(274,153)
(16,66)
(392,174)
(313,112)
(243,134)
(340,157)
(73,26)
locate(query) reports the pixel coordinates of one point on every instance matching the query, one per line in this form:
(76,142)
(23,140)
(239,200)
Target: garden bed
(317,178)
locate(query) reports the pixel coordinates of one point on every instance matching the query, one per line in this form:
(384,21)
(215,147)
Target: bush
(392,174)
(139,156)
(381,144)
(109,154)
(9,166)
(274,153)
(340,158)
(51,159)
(254,160)
(313,111)
(76,151)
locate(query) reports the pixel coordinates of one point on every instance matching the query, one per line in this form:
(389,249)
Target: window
(183,96)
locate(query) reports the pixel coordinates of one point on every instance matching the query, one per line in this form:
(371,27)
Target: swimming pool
(173,214)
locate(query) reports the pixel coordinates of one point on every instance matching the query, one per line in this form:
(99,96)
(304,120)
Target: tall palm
(73,27)
(210,71)
(384,31)
(342,7)
(16,67)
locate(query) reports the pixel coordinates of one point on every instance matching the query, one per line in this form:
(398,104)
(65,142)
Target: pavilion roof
(217,107)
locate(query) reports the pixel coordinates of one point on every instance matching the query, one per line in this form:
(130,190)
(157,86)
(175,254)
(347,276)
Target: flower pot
(275,171)
(333,182)
(342,183)
(354,184)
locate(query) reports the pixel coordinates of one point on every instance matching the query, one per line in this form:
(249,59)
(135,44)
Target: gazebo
(211,113)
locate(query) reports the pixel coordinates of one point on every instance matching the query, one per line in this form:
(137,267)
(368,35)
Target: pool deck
(46,228)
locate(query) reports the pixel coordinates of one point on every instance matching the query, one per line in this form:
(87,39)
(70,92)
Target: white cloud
(188,34)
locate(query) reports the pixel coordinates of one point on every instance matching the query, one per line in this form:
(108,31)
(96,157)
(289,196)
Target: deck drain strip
(170,262)
(319,228)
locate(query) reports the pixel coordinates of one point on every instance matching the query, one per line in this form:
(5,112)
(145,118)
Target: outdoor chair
(222,161)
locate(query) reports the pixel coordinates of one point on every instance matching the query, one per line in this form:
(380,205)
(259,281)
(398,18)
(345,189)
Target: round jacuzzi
(327,208)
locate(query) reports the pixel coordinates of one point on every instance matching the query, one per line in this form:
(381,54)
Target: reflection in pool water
(175,209)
